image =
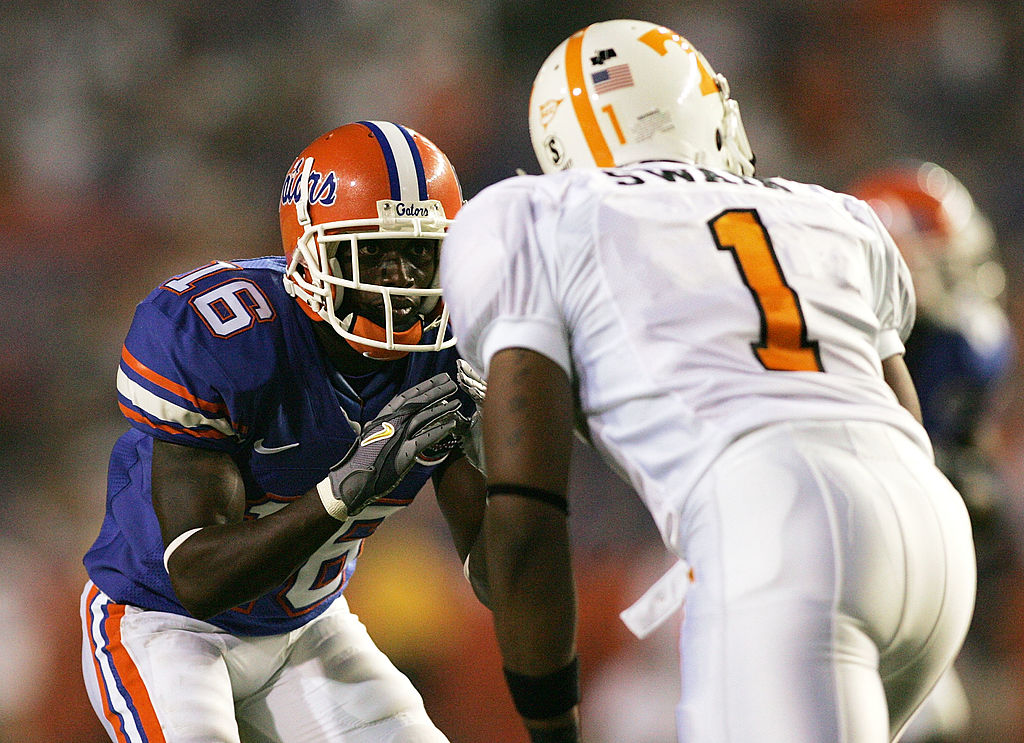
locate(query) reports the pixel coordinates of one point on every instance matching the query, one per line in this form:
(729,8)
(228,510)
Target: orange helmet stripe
(581,102)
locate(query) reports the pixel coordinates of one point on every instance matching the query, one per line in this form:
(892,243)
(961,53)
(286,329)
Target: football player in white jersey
(733,347)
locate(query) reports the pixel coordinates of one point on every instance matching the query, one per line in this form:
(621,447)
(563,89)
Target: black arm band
(566,734)
(558,500)
(542,697)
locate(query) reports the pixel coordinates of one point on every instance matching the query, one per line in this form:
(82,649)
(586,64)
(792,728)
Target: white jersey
(688,306)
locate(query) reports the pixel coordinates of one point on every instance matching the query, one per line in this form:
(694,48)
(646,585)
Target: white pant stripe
(109,685)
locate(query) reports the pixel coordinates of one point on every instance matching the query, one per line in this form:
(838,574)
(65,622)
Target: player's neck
(341,355)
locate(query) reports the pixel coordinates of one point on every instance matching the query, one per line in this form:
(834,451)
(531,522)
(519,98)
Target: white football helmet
(623,91)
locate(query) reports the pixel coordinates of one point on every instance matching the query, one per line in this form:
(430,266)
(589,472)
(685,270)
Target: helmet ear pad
(337,292)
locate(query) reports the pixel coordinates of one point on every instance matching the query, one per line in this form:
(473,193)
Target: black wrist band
(566,734)
(542,697)
(558,500)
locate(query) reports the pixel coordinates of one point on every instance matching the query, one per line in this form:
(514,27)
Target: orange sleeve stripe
(136,416)
(144,371)
(581,102)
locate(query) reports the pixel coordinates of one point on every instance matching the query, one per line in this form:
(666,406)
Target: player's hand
(471,431)
(413,421)
(470,381)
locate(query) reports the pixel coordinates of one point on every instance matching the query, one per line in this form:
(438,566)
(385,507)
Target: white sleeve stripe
(161,409)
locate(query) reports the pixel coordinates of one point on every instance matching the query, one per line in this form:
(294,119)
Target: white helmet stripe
(404,163)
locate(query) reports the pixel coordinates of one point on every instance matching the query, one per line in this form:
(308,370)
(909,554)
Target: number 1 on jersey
(783,345)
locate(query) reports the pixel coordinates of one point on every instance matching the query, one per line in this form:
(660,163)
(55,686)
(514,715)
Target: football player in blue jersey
(280,409)
(962,347)
(960,355)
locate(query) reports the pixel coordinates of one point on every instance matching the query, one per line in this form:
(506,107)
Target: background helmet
(369,180)
(623,91)
(948,244)
(962,348)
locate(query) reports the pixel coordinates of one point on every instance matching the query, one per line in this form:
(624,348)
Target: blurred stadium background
(139,139)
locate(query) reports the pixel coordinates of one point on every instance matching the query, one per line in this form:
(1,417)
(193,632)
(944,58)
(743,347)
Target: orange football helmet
(948,243)
(369,180)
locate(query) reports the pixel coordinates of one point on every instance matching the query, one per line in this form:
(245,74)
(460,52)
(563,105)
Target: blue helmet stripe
(389,158)
(405,165)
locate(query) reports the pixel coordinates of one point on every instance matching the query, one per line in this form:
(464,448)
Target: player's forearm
(225,565)
(475,568)
(461,494)
(534,604)
(531,584)
(562,729)
(897,376)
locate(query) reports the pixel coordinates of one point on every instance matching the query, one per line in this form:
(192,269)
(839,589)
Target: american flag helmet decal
(613,78)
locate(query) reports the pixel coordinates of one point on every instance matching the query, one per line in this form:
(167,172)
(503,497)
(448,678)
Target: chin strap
(372,330)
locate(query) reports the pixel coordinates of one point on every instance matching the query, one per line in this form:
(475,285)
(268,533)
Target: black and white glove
(471,431)
(413,421)
(470,381)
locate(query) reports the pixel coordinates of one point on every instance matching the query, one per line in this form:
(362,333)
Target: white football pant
(155,676)
(834,584)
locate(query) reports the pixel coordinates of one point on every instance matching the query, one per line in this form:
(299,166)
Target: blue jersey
(956,375)
(223,358)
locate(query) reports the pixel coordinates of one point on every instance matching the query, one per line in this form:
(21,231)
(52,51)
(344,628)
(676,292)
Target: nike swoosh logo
(259,448)
(386,432)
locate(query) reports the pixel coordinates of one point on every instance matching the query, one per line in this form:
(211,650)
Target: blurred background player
(734,347)
(961,348)
(960,355)
(281,409)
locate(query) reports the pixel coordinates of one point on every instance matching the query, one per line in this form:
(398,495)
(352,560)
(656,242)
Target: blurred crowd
(140,139)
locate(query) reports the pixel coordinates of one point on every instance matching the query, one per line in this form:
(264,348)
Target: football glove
(413,421)
(470,381)
(471,431)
